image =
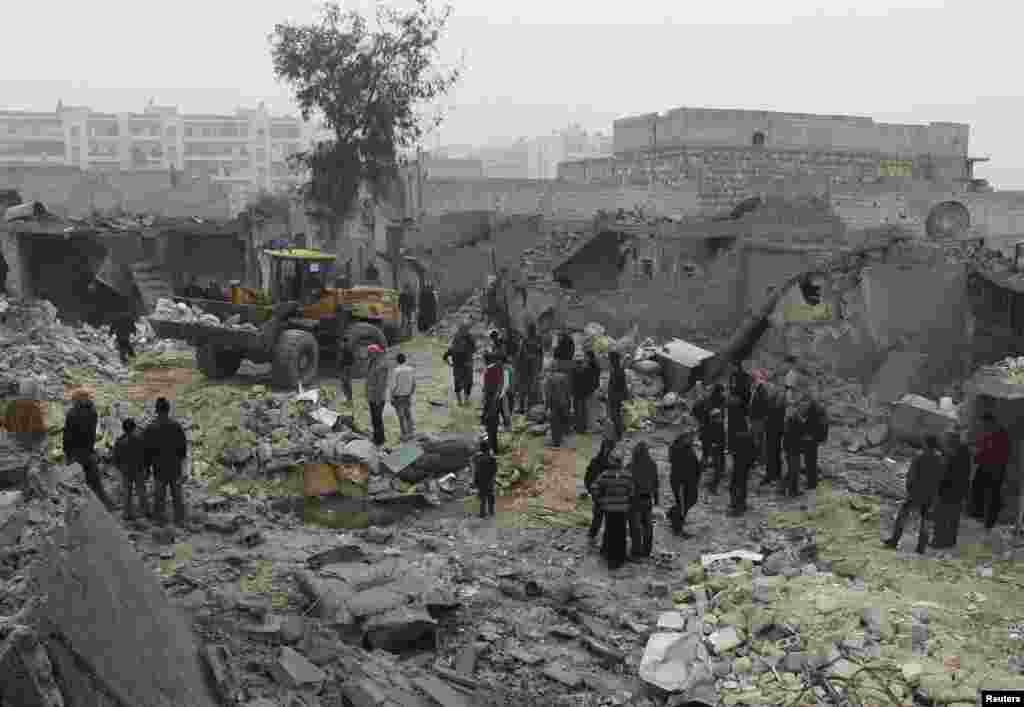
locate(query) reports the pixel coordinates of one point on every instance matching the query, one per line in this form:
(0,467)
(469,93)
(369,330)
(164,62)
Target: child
(485,469)
(130,459)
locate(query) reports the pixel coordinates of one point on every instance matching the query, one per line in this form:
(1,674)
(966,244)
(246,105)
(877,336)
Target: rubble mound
(35,343)
(166,310)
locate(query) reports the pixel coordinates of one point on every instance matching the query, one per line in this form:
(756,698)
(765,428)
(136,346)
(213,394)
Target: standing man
(123,326)
(427,308)
(741,383)
(485,469)
(992,456)
(815,433)
(166,450)
(923,480)
(586,380)
(407,306)
(794,441)
(615,496)
(743,455)
(80,441)
(736,418)
(684,479)
(645,496)
(491,410)
(377,390)
(774,430)
(760,398)
(346,360)
(460,357)
(403,387)
(558,396)
(712,441)
(618,393)
(952,491)
(130,459)
(598,465)
(528,365)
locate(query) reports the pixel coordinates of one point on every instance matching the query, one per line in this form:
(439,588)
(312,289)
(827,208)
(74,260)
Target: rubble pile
(168,310)
(34,343)
(1011,369)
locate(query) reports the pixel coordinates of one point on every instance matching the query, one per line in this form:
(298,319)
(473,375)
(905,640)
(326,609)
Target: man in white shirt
(403,386)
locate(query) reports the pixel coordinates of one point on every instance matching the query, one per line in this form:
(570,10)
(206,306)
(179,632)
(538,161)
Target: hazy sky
(532,66)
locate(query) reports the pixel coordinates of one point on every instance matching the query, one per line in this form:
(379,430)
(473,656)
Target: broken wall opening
(63,270)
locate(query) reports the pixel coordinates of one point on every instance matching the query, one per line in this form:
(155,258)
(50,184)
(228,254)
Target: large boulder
(675,661)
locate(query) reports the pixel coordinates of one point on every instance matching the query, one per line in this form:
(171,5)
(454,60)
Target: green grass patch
(148,360)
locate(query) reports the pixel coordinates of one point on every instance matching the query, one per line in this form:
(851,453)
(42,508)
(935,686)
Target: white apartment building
(246,151)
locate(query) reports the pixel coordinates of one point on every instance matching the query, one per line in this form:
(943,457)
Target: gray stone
(441,693)
(465,659)
(163,535)
(794,662)
(775,563)
(105,606)
(671,621)
(765,589)
(330,597)
(336,555)
(293,628)
(223,524)
(722,668)
(371,602)
(919,638)
(876,623)
(27,673)
(724,640)
(570,678)
(919,614)
(378,536)
(674,662)
(292,670)
(659,590)
(526,657)
(400,628)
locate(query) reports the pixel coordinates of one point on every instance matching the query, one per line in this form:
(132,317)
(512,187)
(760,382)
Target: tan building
(246,152)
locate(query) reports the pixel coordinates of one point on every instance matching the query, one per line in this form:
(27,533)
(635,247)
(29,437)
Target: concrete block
(897,376)
(27,676)
(911,421)
(106,606)
(292,670)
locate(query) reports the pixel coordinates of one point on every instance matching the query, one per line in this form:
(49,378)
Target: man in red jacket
(992,456)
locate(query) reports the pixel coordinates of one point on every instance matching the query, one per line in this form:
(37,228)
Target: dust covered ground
(532,610)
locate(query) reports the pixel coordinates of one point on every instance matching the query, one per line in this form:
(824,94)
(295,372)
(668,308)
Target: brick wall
(553,199)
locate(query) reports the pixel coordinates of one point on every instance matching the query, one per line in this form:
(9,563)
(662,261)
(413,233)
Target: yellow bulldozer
(300,316)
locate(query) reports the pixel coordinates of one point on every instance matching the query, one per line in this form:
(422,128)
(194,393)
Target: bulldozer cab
(299,275)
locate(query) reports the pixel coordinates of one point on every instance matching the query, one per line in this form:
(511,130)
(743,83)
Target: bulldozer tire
(360,335)
(296,358)
(216,363)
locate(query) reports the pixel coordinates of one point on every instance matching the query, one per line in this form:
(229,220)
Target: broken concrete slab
(108,609)
(566,676)
(725,640)
(293,670)
(27,673)
(330,596)
(465,659)
(219,663)
(441,693)
(707,560)
(671,621)
(914,417)
(674,661)
(336,555)
(399,629)
(371,602)
(526,657)
(362,576)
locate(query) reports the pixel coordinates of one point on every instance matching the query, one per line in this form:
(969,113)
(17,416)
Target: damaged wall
(218,258)
(71,192)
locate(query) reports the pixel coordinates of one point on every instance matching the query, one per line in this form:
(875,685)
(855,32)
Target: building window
(173,131)
(758,139)
(188,132)
(74,131)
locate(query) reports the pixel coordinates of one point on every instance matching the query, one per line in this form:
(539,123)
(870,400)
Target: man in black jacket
(407,307)
(685,477)
(598,465)
(615,496)
(586,379)
(645,496)
(774,429)
(794,442)
(952,492)
(130,459)
(815,434)
(460,357)
(123,326)
(743,458)
(712,441)
(80,442)
(485,469)
(166,449)
(923,481)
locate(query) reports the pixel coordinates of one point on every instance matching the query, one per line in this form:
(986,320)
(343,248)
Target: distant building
(247,151)
(452,167)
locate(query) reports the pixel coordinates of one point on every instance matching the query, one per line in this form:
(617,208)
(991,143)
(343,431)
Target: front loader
(296,321)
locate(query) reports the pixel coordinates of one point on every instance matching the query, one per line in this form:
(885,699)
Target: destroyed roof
(50,225)
(195,226)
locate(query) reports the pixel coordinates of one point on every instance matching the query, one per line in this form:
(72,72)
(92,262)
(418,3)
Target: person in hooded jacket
(129,457)
(615,496)
(597,466)
(528,364)
(741,383)
(618,393)
(377,390)
(736,419)
(923,481)
(585,382)
(684,478)
(760,398)
(79,442)
(794,441)
(991,457)
(952,492)
(558,396)
(646,496)
(711,399)
(427,308)
(460,357)
(122,327)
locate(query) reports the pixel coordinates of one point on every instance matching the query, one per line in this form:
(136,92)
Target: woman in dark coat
(684,478)
(952,492)
(585,381)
